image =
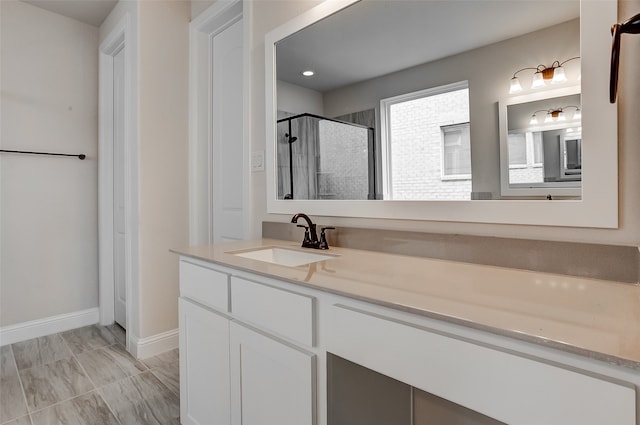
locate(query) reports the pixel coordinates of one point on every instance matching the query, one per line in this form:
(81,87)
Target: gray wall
(488,70)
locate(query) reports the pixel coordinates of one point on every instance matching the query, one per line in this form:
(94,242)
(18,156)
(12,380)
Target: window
(526,157)
(426,144)
(538,152)
(456,151)
(517,150)
(525,149)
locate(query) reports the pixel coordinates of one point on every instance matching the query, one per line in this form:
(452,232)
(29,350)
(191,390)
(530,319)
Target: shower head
(291,138)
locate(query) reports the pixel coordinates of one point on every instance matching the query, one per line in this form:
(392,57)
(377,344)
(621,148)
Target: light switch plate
(257,161)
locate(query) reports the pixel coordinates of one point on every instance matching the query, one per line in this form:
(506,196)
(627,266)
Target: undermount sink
(283,256)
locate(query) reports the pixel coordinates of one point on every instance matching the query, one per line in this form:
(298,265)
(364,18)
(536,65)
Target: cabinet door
(272,382)
(204,366)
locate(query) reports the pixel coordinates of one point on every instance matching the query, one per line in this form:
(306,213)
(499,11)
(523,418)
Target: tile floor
(85,376)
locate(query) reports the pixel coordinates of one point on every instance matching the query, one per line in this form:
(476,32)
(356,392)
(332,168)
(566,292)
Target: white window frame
(530,155)
(450,177)
(385,127)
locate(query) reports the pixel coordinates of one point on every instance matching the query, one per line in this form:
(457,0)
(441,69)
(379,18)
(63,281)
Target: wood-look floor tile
(169,375)
(24,420)
(163,359)
(88,338)
(83,410)
(109,364)
(119,333)
(142,399)
(40,351)
(12,403)
(7,362)
(54,382)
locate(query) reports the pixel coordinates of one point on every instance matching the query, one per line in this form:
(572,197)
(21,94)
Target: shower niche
(325,158)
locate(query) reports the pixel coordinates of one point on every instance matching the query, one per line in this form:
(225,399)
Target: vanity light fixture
(556,115)
(543,74)
(577,115)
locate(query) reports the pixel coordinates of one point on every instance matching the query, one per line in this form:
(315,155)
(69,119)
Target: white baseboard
(49,325)
(143,348)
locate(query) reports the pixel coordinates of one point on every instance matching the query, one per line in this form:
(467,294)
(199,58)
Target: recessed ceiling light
(308,73)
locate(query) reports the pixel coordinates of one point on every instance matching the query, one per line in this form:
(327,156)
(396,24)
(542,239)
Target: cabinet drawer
(275,310)
(501,385)
(205,286)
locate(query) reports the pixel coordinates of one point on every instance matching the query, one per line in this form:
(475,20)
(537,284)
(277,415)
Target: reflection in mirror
(424,105)
(426,144)
(321,158)
(366,51)
(544,146)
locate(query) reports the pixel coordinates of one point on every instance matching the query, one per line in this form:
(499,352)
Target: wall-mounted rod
(80,156)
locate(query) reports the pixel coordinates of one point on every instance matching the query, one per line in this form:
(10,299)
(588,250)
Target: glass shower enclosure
(324,158)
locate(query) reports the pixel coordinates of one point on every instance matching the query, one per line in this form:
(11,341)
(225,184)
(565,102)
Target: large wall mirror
(392,109)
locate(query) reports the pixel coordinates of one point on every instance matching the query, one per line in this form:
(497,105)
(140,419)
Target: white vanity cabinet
(254,351)
(240,362)
(505,386)
(204,345)
(272,382)
(204,365)
(272,379)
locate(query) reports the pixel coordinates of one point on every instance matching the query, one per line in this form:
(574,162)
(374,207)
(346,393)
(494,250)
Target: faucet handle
(323,238)
(307,238)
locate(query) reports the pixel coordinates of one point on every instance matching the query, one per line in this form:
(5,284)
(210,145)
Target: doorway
(118,179)
(119,217)
(219,113)
(227,134)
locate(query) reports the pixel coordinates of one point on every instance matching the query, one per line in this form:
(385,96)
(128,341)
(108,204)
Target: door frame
(202,29)
(121,37)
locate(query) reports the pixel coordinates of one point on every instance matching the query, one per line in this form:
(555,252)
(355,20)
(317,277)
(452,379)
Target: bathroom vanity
(522,347)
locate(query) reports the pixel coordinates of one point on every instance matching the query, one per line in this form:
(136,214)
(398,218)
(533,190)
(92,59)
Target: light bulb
(577,115)
(538,81)
(308,73)
(558,75)
(534,120)
(548,118)
(515,86)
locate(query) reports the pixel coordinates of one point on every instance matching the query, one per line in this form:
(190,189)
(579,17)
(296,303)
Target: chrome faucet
(310,234)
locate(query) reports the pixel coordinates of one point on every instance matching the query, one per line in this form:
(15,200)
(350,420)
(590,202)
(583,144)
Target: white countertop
(596,318)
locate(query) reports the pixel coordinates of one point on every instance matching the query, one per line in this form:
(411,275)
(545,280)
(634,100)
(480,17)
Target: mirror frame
(505,186)
(599,204)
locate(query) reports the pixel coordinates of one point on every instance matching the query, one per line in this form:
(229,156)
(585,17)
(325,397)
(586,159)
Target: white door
(227,135)
(119,272)
(204,366)
(272,383)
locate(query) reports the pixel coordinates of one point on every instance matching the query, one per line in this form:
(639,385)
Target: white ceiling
(92,12)
(376,37)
